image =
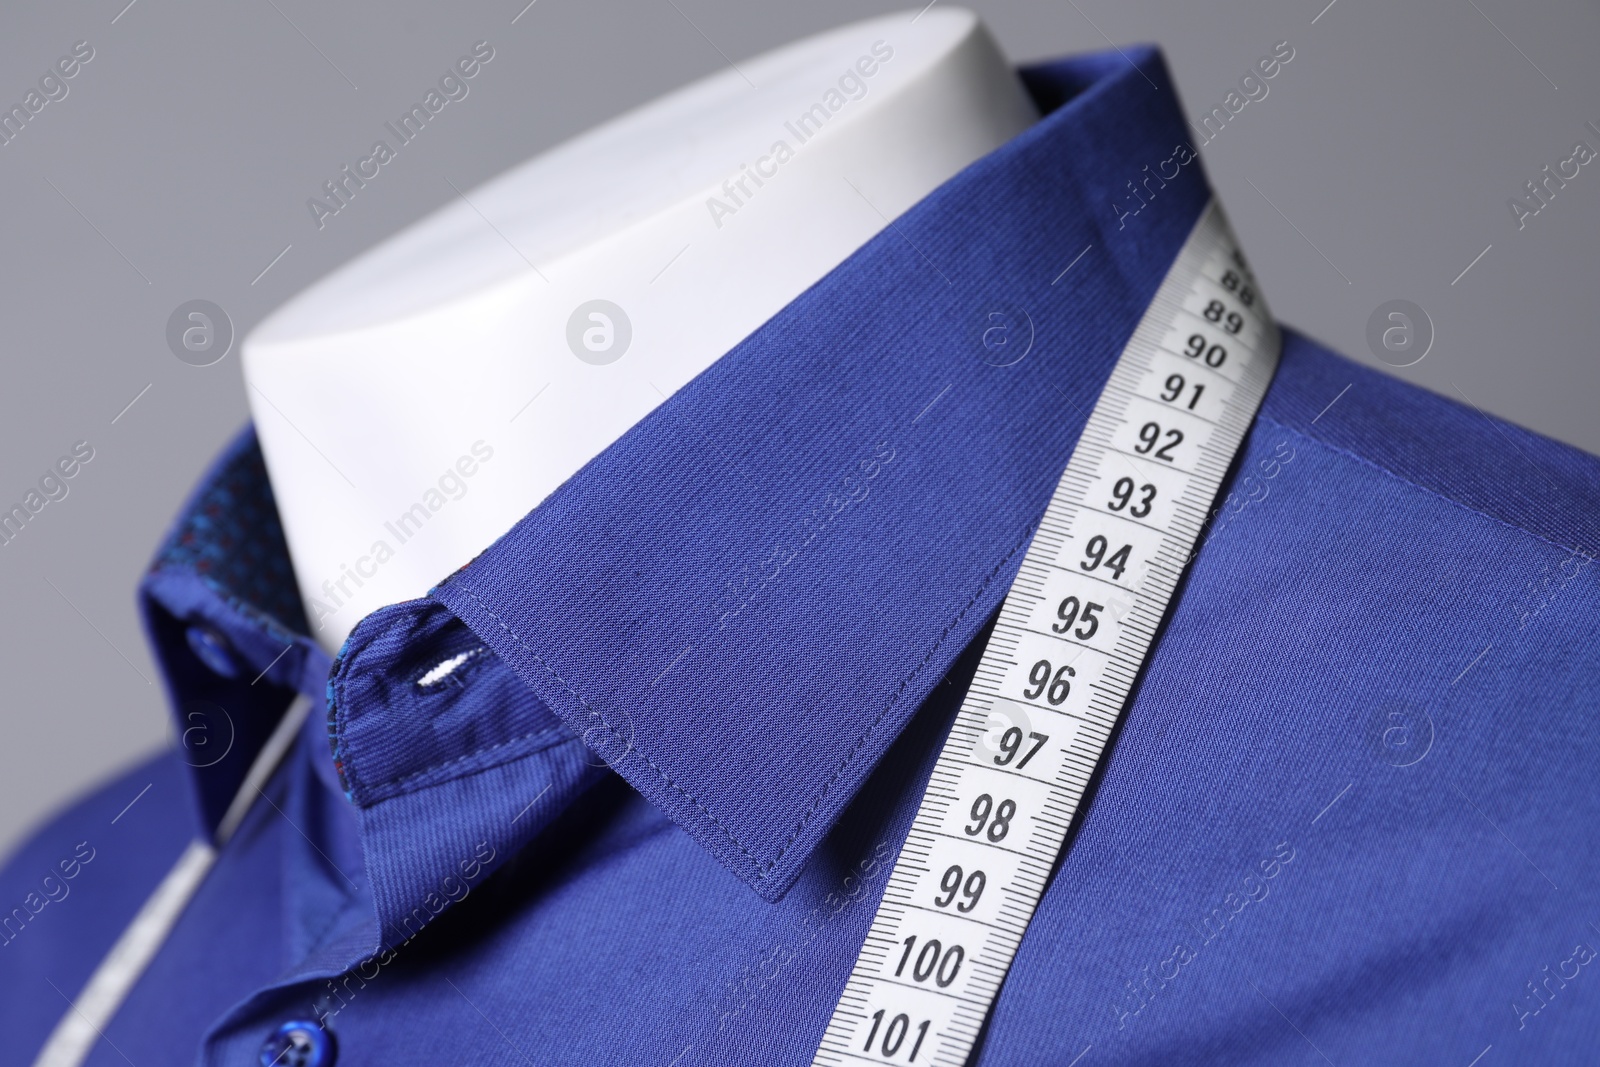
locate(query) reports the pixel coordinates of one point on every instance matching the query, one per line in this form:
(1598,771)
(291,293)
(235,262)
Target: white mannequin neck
(416,403)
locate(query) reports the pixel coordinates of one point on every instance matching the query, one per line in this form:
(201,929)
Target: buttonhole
(448,671)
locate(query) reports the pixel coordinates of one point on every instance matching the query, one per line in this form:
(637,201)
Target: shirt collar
(739,605)
(221,614)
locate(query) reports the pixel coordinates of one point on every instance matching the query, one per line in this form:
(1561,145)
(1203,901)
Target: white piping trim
(86,1019)
(283,735)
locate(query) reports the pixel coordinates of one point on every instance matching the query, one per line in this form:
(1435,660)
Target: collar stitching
(761,868)
(862,740)
(351,780)
(764,868)
(369,787)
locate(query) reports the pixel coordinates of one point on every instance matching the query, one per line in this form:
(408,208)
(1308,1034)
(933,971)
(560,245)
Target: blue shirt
(646,815)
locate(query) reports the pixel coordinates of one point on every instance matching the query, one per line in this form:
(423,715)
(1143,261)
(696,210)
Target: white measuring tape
(1073,632)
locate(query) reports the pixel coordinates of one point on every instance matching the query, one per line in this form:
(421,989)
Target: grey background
(1378,167)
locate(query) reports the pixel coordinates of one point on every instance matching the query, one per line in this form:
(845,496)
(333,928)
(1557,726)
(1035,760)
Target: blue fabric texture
(1347,817)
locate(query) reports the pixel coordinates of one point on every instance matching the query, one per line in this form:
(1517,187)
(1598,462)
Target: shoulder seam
(1364,461)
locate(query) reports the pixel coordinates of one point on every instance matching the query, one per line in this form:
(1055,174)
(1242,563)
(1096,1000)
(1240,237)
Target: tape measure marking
(1071,637)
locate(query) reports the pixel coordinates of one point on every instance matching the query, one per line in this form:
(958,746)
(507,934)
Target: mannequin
(416,403)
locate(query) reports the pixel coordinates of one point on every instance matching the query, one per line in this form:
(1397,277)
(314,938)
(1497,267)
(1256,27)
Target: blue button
(213,650)
(299,1044)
